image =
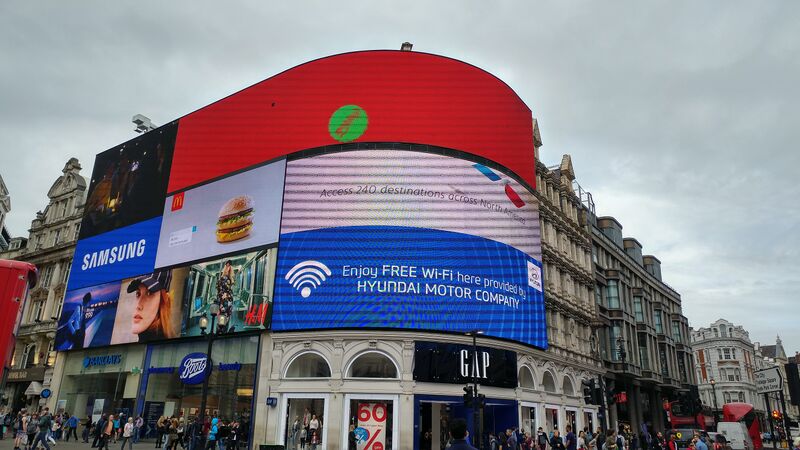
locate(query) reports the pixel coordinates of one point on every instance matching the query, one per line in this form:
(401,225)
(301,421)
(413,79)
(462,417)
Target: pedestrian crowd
(41,429)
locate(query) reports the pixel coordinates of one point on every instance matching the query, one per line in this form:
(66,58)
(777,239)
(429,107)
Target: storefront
(462,365)
(102,381)
(23,387)
(172,383)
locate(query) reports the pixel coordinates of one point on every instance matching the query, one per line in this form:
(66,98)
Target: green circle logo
(348,123)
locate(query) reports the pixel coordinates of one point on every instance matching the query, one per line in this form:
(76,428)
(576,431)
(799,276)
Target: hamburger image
(235,219)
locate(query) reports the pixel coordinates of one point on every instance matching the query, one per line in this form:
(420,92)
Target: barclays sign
(194,368)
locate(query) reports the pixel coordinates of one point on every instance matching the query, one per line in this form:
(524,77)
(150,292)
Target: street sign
(768,380)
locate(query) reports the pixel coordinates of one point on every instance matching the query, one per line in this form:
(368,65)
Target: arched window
(548,383)
(308,365)
(526,378)
(29,356)
(372,365)
(566,387)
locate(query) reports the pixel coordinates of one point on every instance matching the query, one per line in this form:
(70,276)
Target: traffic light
(468,396)
(588,391)
(480,402)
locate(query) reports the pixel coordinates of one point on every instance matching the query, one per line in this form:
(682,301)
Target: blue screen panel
(409,278)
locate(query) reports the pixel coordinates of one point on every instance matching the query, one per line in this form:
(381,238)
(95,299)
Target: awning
(35,388)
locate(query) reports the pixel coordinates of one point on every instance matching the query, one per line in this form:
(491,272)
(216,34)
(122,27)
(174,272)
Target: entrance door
(434,414)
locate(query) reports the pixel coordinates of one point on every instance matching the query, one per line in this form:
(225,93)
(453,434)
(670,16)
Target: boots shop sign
(194,368)
(458,364)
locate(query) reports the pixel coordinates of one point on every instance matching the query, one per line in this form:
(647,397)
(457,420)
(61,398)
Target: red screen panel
(407,97)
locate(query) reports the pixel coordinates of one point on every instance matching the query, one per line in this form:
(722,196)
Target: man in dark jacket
(458,432)
(98,430)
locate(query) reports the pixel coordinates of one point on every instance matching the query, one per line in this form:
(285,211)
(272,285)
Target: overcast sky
(679,116)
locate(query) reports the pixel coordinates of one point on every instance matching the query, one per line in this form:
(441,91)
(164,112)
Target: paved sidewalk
(8,444)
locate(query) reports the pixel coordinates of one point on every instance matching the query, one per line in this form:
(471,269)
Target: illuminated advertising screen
(129,182)
(115,255)
(236,213)
(312,176)
(400,239)
(169,303)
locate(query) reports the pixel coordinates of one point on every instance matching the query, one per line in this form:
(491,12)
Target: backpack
(33,426)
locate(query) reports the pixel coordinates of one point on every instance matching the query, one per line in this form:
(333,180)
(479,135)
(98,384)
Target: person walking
(611,441)
(45,422)
(127,434)
(211,439)
(107,432)
(32,429)
(458,433)
(541,439)
(571,441)
(20,437)
(72,427)
(98,430)
(556,443)
(137,428)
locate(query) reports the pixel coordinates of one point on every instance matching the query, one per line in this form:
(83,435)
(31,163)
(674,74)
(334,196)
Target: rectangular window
(65,271)
(637,309)
(741,397)
(47,275)
(36,311)
(616,333)
(77,230)
(676,332)
(612,294)
(598,294)
(719,353)
(733,350)
(727,353)
(657,321)
(57,236)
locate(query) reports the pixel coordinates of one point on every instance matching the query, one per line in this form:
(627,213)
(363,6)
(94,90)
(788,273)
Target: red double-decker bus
(681,417)
(16,277)
(746,414)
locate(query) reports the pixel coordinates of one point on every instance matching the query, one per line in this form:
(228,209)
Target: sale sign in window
(371,431)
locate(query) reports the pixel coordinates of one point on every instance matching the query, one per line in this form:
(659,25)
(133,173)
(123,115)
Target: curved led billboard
(381,189)
(387,238)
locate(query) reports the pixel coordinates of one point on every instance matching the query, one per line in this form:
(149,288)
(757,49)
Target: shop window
(306,426)
(373,414)
(372,365)
(526,378)
(548,382)
(308,365)
(566,387)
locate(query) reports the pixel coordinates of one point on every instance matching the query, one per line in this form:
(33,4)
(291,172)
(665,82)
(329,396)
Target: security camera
(143,123)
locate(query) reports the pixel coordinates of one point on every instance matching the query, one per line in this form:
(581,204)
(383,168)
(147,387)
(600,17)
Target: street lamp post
(477,423)
(213,309)
(714,394)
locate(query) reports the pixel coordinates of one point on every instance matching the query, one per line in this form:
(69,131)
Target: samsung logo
(114,254)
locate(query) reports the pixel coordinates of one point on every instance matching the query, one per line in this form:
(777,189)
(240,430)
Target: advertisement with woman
(169,303)
(149,307)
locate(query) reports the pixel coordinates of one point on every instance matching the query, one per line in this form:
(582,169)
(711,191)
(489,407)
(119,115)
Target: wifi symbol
(307,275)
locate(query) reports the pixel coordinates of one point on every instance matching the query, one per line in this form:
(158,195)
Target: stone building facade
(767,356)
(724,353)
(5,208)
(50,246)
(643,335)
